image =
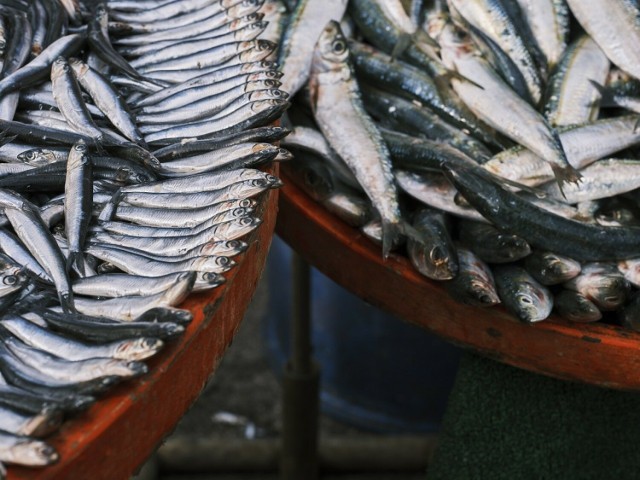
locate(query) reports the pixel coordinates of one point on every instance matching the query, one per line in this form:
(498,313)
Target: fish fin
(110,207)
(404,40)
(66,302)
(564,175)
(443,79)
(600,88)
(421,36)
(603,94)
(5,139)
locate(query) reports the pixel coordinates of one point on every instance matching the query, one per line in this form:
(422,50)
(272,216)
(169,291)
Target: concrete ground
(243,399)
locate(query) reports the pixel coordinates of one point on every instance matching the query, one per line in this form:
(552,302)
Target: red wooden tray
(597,354)
(115,436)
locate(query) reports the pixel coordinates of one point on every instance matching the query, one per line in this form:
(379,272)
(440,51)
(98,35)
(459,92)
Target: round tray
(115,436)
(597,354)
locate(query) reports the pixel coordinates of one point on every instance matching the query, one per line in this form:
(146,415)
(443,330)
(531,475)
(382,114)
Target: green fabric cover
(506,423)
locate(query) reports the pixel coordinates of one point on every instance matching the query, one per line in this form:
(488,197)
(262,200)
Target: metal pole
(300,386)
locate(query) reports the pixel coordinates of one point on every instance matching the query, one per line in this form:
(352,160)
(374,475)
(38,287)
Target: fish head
(577,307)
(271,66)
(560,268)
(331,52)
(268,94)
(480,288)
(532,304)
(274,182)
(433,261)
(32,452)
(37,157)
(513,247)
(246,203)
(477,191)
(166,314)
(608,291)
(454,40)
(14,278)
(59,67)
(79,67)
(138,349)
(132,368)
(243,8)
(80,147)
(210,279)
(284,155)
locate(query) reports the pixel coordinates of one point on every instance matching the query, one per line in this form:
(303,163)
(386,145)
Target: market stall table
(114,437)
(597,354)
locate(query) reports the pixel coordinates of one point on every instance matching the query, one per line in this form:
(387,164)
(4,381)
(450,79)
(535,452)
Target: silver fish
(341,116)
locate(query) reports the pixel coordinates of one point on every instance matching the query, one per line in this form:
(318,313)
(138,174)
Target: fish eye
(31,155)
(526,300)
(245,221)
(338,47)
(10,280)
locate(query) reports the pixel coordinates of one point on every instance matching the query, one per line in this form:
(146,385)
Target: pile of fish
(491,141)
(131,136)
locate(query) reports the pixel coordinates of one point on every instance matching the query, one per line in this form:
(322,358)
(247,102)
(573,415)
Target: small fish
(549,268)
(601,283)
(21,450)
(497,105)
(305,27)
(474,283)
(433,254)
(576,307)
(355,138)
(522,295)
(78,202)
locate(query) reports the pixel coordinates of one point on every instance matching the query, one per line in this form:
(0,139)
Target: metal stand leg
(300,386)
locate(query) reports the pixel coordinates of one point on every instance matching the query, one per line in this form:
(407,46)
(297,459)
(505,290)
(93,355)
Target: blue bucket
(378,372)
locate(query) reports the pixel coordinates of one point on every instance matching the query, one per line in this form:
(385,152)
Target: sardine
(522,295)
(340,114)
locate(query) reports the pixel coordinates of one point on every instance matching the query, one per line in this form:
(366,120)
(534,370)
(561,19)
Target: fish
(434,254)
(543,229)
(614,27)
(78,202)
(494,102)
(74,350)
(108,100)
(23,450)
(548,21)
(525,167)
(30,228)
(601,283)
(303,32)
(572,97)
(474,284)
(549,268)
(521,294)
(340,114)
(576,307)
(66,91)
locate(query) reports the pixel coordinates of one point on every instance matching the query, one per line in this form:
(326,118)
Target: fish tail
(566,174)
(391,232)
(66,302)
(76,259)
